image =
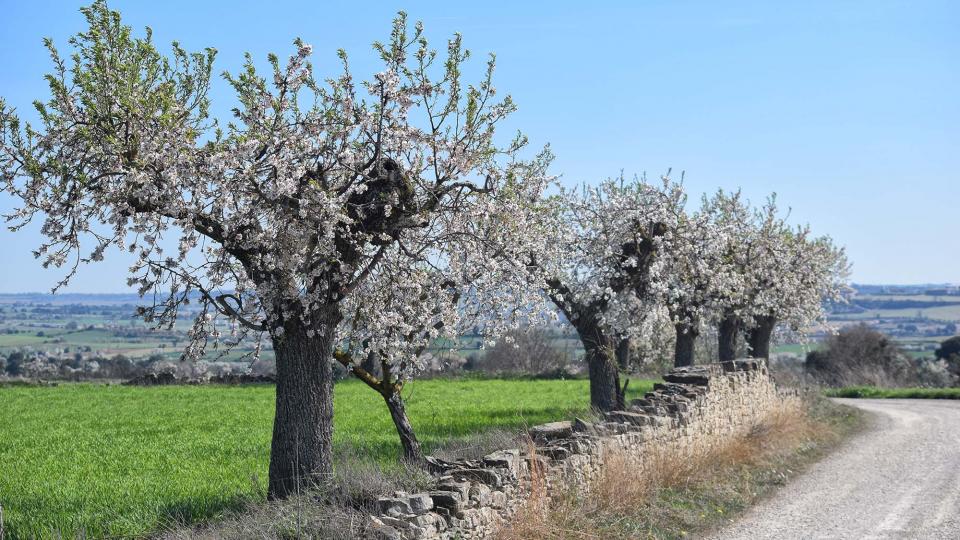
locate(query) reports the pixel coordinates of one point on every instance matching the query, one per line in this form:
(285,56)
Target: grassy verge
(676,496)
(94,460)
(893,393)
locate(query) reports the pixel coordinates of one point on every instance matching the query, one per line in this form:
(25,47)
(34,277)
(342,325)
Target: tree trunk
(684,346)
(411,446)
(604,378)
(728,332)
(302,447)
(758,339)
(623,354)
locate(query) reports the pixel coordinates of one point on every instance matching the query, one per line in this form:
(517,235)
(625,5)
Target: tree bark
(302,447)
(623,354)
(605,391)
(727,334)
(604,378)
(684,347)
(758,339)
(411,446)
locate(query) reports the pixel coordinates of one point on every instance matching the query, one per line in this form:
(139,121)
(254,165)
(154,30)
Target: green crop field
(94,460)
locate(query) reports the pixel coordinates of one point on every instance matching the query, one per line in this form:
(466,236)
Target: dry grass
(336,512)
(477,445)
(672,492)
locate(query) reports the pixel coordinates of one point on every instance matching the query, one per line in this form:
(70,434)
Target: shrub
(859,355)
(949,352)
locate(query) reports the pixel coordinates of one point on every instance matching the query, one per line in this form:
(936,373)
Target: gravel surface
(898,479)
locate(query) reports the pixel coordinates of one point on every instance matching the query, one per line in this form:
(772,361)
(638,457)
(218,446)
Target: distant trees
(15,361)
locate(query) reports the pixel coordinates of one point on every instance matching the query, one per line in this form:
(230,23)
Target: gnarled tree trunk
(727,334)
(411,446)
(684,347)
(604,379)
(758,338)
(605,392)
(389,388)
(300,455)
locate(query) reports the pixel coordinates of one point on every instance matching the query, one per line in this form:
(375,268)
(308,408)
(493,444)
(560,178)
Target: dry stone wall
(699,405)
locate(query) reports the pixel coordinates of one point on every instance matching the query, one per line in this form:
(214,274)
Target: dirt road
(899,479)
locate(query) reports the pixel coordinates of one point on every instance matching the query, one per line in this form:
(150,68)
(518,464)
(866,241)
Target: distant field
(94,460)
(795,348)
(894,393)
(945,313)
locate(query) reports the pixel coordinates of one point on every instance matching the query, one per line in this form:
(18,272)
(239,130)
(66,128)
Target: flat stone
(376,528)
(582,426)
(554,452)
(504,459)
(551,431)
(480,494)
(461,489)
(394,506)
(447,499)
(485,476)
(632,418)
(420,503)
(687,378)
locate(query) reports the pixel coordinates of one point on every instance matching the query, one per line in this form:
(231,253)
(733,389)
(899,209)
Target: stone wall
(700,405)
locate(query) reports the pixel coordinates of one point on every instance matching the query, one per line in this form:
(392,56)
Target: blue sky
(849,110)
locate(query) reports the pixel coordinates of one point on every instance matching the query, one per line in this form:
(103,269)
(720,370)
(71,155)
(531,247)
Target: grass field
(894,393)
(98,461)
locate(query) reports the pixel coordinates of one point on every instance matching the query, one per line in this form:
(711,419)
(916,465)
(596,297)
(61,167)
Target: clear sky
(849,110)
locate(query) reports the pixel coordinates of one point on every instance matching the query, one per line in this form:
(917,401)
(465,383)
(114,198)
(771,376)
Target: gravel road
(898,479)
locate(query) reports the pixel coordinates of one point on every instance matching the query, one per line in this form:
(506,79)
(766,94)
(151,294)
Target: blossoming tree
(435,286)
(774,274)
(598,249)
(696,277)
(800,275)
(279,217)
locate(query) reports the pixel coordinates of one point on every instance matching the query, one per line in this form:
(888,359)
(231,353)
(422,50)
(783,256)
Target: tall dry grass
(631,486)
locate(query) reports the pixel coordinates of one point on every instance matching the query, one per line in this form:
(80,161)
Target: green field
(93,460)
(894,393)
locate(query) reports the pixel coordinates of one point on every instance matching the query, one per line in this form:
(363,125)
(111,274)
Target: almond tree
(775,274)
(598,249)
(433,295)
(749,242)
(800,275)
(279,216)
(695,279)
